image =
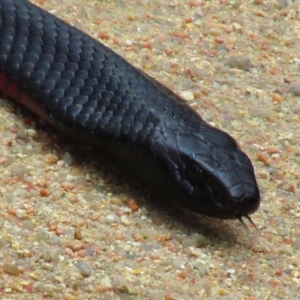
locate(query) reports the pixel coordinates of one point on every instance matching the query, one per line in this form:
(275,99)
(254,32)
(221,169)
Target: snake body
(84,88)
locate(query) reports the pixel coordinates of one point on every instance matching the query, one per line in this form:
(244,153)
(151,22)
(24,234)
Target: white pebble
(189,96)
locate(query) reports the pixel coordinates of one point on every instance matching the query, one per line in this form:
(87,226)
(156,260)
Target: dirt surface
(74,230)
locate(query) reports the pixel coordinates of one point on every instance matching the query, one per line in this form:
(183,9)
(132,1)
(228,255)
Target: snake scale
(87,90)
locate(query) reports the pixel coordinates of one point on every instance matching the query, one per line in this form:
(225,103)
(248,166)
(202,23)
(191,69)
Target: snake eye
(195,174)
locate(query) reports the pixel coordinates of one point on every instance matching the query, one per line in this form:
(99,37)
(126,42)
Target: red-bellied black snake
(87,90)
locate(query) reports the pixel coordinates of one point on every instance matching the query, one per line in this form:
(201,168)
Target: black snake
(86,89)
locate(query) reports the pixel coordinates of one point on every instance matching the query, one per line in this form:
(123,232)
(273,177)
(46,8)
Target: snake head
(216,178)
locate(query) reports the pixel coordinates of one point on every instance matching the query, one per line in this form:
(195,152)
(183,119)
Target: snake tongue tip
(249,219)
(243,223)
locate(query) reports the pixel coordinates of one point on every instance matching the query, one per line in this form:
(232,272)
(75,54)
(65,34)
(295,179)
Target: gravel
(72,229)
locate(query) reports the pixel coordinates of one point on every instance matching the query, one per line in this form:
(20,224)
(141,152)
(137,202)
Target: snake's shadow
(120,181)
(215,232)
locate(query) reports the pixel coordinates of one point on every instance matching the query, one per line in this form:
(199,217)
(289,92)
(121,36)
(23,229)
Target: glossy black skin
(94,94)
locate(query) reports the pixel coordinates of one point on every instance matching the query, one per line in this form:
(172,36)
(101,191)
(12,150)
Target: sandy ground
(72,229)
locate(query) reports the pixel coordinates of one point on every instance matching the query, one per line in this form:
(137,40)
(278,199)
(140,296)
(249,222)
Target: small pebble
(295,88)
(125,220)
(187,95)
(85,269)
(240,62)
(11,269)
